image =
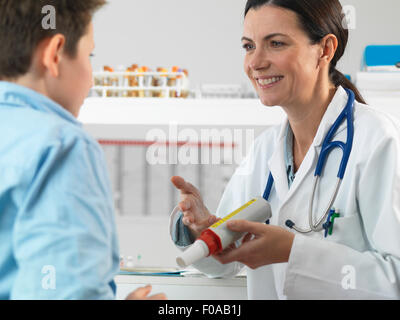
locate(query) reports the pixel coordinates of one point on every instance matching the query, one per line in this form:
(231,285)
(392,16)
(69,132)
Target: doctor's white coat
(361,259)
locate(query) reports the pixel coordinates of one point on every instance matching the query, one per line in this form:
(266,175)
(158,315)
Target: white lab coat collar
(336,106)
(277,162)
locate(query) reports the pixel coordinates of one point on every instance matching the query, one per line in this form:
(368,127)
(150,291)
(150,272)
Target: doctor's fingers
(231,254)
(224,253)
(186,203)
(184,187)
(193,204)
(247,237)
(255,228)
(246,253)
(189,218)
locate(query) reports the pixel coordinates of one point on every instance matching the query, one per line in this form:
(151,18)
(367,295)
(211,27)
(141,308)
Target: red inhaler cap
(212,241)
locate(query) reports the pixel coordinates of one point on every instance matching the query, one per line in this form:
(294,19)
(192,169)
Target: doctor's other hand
(195,214)
(142,293)
(262,245)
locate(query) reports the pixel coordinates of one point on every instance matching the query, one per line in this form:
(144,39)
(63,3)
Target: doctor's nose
(258,60)
(257,63)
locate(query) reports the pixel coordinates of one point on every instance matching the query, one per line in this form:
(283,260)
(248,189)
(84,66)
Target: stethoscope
(327,146)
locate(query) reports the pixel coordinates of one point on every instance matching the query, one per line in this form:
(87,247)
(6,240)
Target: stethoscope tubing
(327,146)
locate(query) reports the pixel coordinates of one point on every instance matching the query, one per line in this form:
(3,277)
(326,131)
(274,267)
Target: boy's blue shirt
(58,236)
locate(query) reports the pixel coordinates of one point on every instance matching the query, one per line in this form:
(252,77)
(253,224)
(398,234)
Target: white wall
(204,35)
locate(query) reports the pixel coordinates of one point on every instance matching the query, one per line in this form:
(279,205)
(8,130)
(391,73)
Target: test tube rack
(140,84)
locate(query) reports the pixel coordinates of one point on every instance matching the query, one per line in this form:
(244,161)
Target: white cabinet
(185,288)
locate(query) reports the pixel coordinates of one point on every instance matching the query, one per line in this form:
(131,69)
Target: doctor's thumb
(178,182)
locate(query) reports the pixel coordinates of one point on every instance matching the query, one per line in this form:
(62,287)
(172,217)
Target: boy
(57,230)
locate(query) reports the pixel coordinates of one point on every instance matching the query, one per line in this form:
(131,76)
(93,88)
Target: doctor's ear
(328,47)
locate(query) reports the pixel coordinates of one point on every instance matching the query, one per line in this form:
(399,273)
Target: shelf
(155,111)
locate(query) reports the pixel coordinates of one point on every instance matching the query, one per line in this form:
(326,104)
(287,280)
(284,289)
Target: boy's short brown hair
(21,29)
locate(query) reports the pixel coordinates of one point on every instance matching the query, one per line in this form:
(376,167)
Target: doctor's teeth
(264,82)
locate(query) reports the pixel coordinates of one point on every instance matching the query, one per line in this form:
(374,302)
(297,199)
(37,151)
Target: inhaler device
(217,237)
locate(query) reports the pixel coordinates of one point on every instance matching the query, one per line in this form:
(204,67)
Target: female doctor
(292,48)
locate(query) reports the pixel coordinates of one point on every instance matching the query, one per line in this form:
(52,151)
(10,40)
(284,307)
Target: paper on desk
(196,273)
(150,272)
(171,272)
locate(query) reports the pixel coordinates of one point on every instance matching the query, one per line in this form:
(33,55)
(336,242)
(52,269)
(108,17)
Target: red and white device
(217,237)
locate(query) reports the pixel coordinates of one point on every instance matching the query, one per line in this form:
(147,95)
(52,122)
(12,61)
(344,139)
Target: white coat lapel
(277,165)
(336,106)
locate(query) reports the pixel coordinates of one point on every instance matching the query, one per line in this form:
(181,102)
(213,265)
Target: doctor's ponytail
(318,19)
(339,79)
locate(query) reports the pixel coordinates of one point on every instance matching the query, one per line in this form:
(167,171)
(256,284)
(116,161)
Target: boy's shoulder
(41,130)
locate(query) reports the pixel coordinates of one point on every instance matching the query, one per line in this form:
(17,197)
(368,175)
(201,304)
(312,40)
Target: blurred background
(171,98)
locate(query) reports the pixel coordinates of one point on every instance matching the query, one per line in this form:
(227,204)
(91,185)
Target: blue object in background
(381,55)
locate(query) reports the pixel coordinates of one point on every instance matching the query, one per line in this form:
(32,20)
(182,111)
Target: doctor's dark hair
(318,18)
(21,29)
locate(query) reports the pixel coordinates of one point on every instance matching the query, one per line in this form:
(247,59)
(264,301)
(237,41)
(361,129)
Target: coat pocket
(349,231)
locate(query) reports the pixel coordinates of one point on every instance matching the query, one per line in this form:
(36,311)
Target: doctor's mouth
(268,82)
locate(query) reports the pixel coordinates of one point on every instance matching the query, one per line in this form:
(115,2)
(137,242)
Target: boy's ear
(52,54)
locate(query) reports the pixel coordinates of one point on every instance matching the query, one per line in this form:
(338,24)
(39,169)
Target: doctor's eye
(248,46)
(92,55)
(277,44)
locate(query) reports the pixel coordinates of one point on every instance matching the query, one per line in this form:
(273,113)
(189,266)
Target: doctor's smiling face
(280,60)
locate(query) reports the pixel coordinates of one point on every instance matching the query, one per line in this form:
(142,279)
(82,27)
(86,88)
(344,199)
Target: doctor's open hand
(262,245)
(195,214)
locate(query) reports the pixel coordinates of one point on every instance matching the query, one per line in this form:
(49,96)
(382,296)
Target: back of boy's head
(22,29)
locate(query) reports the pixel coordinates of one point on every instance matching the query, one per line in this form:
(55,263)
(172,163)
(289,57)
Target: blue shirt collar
(12,94)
